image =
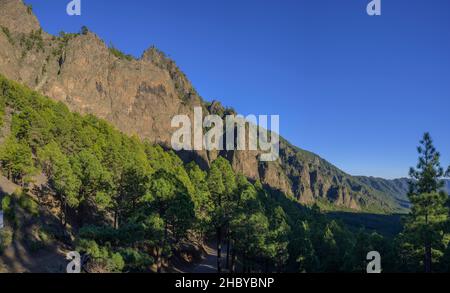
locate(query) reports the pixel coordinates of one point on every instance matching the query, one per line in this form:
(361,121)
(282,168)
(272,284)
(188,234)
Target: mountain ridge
(140,96)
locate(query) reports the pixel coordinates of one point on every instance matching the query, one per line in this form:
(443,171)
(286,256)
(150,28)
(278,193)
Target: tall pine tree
(425,225)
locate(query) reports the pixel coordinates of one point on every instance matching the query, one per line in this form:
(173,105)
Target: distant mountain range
(140,97)
(396,188)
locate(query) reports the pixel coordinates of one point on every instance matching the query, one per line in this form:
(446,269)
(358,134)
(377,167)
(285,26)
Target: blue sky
(357,90)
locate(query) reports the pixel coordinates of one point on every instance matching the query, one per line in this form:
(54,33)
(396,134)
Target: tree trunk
(65,213)
(115,219)
(219,250)
(233,260)
(427,260)
(228,251)
(158,257)
(163,256)
(61,206)
(80,215)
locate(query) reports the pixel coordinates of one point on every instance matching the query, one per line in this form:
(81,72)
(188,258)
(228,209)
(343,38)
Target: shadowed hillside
(140,96)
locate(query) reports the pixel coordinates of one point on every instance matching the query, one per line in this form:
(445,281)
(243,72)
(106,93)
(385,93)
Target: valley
(88,164)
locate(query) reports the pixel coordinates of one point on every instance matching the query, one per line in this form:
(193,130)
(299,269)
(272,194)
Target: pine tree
(57,168)
(425,225)
(217,189)
(16,160)
(170,199)
(222,187)
(95,183)
(201,198)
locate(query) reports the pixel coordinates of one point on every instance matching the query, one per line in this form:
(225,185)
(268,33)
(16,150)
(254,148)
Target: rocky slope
(141,96)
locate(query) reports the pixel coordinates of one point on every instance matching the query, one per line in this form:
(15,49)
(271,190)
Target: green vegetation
(130,204)
(19,199)
(16,160)
(84,30)
(29,9)
(5,30)
(32,41)
(119,54)
(63,39)
(6,238)
(426,236)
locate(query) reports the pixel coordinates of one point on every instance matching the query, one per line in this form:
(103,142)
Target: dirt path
(18,259)
(208,264)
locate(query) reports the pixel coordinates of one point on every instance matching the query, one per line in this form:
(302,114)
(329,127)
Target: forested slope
(133,206)
(140,96)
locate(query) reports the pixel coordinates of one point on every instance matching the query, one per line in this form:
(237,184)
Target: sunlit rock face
(140,97)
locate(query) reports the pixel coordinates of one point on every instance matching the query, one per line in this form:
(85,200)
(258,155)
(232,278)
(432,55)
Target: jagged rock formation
(141,96)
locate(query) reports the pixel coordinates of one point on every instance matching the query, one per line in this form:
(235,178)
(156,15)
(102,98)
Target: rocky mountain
(140,97)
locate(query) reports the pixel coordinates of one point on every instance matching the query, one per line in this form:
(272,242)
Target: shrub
(119,54)
(99,234)
(6,238)
(8,208)
(34,245)
(29,9)
(28,204)
(101,256)
(8,35)
(115,263)
(32,41)
(45,236)
(84,30)
(6,205)
(136,261)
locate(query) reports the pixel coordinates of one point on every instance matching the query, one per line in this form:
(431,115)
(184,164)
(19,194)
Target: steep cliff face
(140,97)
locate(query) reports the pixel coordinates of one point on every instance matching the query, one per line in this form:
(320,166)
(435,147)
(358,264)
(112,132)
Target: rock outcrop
(140,97)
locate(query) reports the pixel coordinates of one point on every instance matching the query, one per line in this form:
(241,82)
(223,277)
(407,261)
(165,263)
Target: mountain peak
(16,16)
(142,96)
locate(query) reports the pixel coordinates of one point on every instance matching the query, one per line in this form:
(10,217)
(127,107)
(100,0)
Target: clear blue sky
(357,90)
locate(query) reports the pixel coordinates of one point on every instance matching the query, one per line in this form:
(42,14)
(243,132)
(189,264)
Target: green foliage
(132,203)
(201,198)
(62,42)
(84,30)
(8,35)
(32,41)
(28,204)
(7,205)
(119,54)
(19,199)
(136,261)
(16,160)
(60,174)
(2,110)
(29,9)
(102,257)
(6,238)
(425,236)
(171,199)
